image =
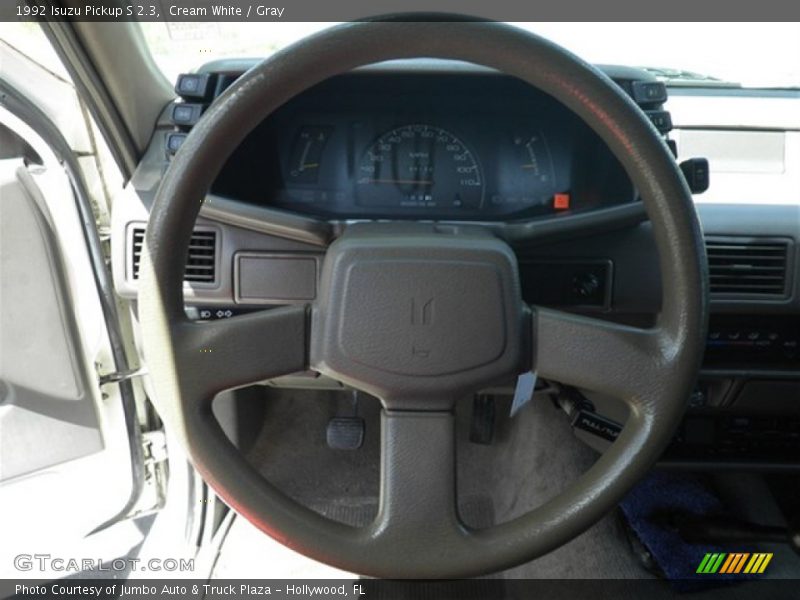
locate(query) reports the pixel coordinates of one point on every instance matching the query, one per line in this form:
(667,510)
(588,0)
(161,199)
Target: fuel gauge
(306,156)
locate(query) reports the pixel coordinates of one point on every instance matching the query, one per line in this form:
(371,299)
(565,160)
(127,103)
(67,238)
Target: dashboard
(449,148)
(425,147)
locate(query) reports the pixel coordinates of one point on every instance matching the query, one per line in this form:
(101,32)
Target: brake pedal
(346,433)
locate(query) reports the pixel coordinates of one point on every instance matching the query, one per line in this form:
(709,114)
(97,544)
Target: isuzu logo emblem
(421,316)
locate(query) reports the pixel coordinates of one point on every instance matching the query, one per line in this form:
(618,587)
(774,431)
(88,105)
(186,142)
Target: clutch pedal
(346,433)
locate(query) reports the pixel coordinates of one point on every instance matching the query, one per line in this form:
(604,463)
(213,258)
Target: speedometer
(419,167)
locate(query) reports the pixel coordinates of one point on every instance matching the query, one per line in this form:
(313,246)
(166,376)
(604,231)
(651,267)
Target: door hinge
(154,492)
(119,376)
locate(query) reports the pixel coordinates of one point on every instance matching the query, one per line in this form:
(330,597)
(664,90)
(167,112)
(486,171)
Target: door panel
(47,414)
(65,449)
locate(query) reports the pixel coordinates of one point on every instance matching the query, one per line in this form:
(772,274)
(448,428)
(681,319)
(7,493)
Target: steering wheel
(421,317)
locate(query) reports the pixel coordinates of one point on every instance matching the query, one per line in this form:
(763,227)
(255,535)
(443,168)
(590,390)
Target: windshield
(751,55)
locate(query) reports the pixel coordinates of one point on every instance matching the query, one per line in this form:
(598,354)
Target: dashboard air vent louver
(202,261)
(747,267)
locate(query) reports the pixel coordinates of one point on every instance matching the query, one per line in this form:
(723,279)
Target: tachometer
(419,167)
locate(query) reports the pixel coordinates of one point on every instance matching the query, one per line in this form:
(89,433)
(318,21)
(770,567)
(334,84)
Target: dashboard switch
(569,282)
(695,170)
(673,147)
(186,114)
(586,285)
(174,142)
(194,85)
(661,119)
(649,92)
(561,201)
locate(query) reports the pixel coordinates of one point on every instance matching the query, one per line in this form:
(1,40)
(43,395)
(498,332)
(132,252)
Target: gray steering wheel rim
(676,350)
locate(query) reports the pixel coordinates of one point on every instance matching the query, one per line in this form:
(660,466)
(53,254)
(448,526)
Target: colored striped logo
(735,562)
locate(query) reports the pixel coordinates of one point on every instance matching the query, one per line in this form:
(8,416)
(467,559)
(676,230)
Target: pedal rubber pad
(345,433)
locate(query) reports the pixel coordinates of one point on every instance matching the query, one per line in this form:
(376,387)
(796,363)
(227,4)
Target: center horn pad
(418,320)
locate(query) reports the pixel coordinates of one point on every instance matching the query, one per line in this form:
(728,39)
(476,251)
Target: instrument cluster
(427,148)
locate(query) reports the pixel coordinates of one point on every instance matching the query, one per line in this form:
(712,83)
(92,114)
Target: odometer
(419,167)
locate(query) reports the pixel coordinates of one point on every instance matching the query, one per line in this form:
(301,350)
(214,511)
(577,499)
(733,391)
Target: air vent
(749,267)
(201,265)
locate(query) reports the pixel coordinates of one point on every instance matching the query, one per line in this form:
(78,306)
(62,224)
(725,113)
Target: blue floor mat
(646,508)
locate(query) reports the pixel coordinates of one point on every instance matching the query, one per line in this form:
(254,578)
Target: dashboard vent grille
(747,267)
(202,261)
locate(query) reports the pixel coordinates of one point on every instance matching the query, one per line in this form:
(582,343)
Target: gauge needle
(401,181)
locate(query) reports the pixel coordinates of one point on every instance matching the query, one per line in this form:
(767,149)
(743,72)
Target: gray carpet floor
(533,457)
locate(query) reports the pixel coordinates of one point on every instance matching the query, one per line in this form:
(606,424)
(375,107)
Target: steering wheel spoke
(418,447)
(228,353)
(602,356)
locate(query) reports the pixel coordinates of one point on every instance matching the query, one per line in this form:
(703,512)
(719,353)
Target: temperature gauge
(532,158)
(525,174)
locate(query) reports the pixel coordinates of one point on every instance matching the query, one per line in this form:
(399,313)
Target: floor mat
(647,509)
